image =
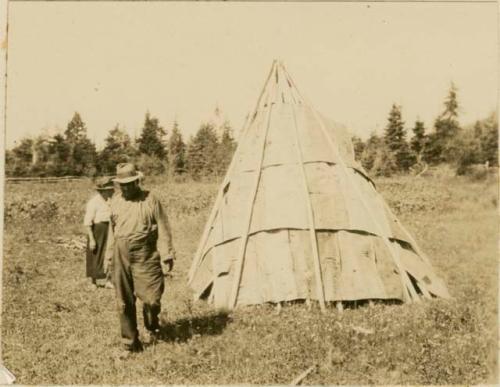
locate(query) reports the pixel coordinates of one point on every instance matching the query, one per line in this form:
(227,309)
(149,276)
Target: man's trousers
(137,272)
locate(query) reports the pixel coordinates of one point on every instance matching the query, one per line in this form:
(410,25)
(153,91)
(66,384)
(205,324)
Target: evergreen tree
(24,151)
(41,155)
(359,147)
(20,158)
(469,147)
(177,151)
(35,157)
(450,112)
(476,145)
(151,140)
(370,151)
(59,153)
(150,165)
(395,140)
(118,148)
(75,130)
(384,163)
(226,148)
(478,129)
(10,164)
(202,152)
(417,142)
(440,146)
(82,155)
(433,149)
(194,159)
(489,140)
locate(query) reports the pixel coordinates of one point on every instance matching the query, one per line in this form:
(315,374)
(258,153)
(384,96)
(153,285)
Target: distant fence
(46,179)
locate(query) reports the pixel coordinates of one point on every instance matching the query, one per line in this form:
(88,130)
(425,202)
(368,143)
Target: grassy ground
(57,331)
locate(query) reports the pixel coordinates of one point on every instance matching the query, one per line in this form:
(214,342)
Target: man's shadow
(184,329)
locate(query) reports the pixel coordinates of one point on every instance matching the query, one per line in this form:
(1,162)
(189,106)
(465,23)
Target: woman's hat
(104,183)
(126,173)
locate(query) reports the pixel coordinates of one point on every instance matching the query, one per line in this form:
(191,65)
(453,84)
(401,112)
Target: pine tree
(151,141)
(395,140)
(75,130)
(476,145)
(20,158)
(118,148)
(450,112)
(176,151)
(83,154)
(59,153)
(10,164)
(417,142)
(194,160)
(489,140)
(202,152)
(359,147)
(41,155)
(469,147)
(478,129)
(24,151)
(440,146)
(370,151)
(384,163)
(226,148)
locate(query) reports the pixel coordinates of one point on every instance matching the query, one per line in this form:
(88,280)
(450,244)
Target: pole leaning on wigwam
(297,218)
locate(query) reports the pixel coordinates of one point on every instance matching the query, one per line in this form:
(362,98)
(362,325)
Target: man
(140,245)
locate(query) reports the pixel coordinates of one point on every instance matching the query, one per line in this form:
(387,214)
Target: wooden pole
(248,219)
(302,376)
(310,216)
(220,194)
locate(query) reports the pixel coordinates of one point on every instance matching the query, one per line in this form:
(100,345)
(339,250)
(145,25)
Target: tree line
(209,151)
(448,142)
(155,152)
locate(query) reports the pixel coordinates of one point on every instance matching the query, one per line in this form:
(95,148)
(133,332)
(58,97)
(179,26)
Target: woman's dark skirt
(95,259)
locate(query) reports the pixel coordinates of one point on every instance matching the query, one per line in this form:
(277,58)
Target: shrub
(44,209)
(150,165)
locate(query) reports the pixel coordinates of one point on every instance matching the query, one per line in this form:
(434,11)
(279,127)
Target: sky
(114,61)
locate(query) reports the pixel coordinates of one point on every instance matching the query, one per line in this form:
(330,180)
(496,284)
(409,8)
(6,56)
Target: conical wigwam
(297,217)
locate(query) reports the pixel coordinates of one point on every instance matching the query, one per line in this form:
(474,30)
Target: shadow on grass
(184,329)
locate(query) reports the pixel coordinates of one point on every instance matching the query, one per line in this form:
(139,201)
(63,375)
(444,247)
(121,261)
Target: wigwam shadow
(184,329)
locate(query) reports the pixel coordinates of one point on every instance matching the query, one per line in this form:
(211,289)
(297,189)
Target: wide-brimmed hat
(104,183)
(126,172)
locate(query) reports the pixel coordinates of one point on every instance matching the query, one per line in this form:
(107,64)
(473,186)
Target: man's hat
(104,183)
(126,172)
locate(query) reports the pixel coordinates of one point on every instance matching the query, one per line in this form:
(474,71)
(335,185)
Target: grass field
(57,331)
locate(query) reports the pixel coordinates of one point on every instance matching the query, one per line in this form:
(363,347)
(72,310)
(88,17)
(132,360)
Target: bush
(150,165)
(44,209)
(475,172)
(385,163)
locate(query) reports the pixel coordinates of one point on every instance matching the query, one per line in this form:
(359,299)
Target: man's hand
(167,265)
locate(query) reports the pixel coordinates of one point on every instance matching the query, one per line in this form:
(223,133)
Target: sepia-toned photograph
(267,193)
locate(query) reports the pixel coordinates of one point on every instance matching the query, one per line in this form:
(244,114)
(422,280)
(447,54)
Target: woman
(96,221)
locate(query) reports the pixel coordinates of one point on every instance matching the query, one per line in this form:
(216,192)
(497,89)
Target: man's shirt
(139,220)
